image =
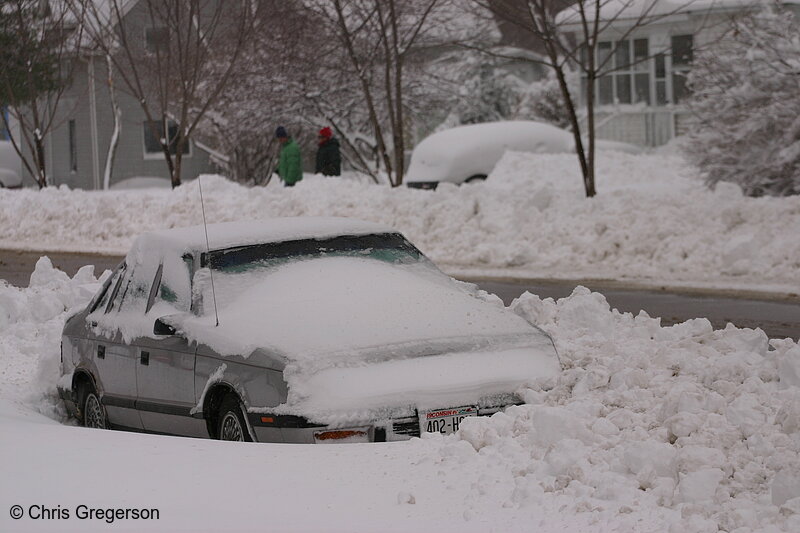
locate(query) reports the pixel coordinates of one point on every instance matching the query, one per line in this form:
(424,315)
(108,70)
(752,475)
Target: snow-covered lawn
(652,221)
(681,429)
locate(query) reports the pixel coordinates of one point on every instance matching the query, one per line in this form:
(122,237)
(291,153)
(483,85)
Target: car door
(165,368)
(112,360)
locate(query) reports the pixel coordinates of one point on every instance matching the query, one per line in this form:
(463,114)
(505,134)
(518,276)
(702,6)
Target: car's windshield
(390,247)
(236,269)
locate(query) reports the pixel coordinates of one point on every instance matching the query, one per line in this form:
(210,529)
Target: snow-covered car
(10,177)
(293,330)
(469,153)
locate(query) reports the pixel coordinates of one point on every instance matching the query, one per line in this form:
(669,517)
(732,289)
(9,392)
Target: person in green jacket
(290,166)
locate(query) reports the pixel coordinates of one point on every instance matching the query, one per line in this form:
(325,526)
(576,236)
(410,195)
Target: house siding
(655,125)
(130,160)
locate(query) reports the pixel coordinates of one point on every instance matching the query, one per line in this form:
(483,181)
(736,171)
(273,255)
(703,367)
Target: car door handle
(145,358)
(101,352)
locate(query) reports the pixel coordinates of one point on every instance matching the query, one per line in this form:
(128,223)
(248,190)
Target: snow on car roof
(241,233)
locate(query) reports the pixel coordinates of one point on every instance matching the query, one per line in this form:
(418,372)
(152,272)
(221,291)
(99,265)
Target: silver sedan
(301,330)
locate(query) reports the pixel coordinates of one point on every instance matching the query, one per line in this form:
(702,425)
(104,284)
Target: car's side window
(120,289)
(111,295)
(100,300)
(154,287)
(172,285)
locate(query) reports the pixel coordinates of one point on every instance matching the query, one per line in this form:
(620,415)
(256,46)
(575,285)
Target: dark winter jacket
(290,166)
(329,160)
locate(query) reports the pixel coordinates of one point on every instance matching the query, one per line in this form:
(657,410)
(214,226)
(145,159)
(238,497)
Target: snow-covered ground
(649,429)
(652,221)
(682,429)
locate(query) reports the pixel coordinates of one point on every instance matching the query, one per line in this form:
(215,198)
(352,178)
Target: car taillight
(341,435)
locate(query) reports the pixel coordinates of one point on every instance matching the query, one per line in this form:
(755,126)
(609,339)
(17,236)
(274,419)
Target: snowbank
(652,220)
(681,429)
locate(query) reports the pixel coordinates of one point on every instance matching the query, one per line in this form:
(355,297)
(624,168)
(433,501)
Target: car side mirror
(162,328)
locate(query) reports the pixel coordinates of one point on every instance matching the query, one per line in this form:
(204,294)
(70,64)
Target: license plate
(444,421)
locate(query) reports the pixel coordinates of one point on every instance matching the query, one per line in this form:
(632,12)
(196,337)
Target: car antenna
(208,250)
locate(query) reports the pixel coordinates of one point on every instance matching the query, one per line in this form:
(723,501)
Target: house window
(154,132)
(4,135)
(682,56)
(73,147)
(627,78)
(156,39)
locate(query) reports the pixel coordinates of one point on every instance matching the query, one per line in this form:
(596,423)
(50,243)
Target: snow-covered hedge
(746,101)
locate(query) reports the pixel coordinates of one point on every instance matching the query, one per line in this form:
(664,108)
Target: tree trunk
(112,147)
(41,178)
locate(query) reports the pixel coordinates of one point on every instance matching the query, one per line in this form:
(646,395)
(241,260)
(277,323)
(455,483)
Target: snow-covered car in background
(10,176)
(469,153)
(293,330)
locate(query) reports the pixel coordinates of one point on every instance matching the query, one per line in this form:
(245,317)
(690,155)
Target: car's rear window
(388,247)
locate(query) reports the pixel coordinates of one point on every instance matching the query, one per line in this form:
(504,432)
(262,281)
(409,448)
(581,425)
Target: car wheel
(94,414)
(476,177)
(232,425)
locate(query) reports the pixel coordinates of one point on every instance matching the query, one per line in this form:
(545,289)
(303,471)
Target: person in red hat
(329,159)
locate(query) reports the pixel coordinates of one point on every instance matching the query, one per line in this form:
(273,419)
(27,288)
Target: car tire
(476,177)
(94,413)
(232,425)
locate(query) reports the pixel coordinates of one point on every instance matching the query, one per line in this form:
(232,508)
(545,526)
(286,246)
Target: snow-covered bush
(747,106)
(542,100)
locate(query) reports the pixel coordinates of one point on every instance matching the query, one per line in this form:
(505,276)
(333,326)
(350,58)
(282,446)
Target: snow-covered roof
(242,233)
(611,10)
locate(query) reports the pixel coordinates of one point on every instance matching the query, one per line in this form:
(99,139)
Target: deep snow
(682,429)
(653,221)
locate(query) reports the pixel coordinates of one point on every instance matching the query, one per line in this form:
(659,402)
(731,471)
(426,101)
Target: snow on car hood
(340,305)
(345,310)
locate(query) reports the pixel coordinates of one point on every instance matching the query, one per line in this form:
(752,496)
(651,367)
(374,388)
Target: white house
(651,43)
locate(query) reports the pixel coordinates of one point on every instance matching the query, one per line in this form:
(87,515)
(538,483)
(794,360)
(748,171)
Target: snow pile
(31,320)
(682,429)
(701,425)
(653,220)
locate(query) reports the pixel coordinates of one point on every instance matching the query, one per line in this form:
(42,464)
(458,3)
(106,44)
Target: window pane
(640,54)
(661,92)
(661,69)
(682,50)
(622,55)
(153,131)
(623,88)
(605,90)
(583,56)
(173,140)
(679,89)
(584,86)
(642,94)
(603,53)
(156,39)
(73,148)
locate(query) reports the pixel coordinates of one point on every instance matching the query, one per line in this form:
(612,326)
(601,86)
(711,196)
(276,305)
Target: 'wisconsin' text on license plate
(445,421)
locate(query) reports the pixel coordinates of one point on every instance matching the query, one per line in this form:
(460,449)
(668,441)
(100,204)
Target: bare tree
(36,61)
(579,49)
(379,39)
(169,71)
